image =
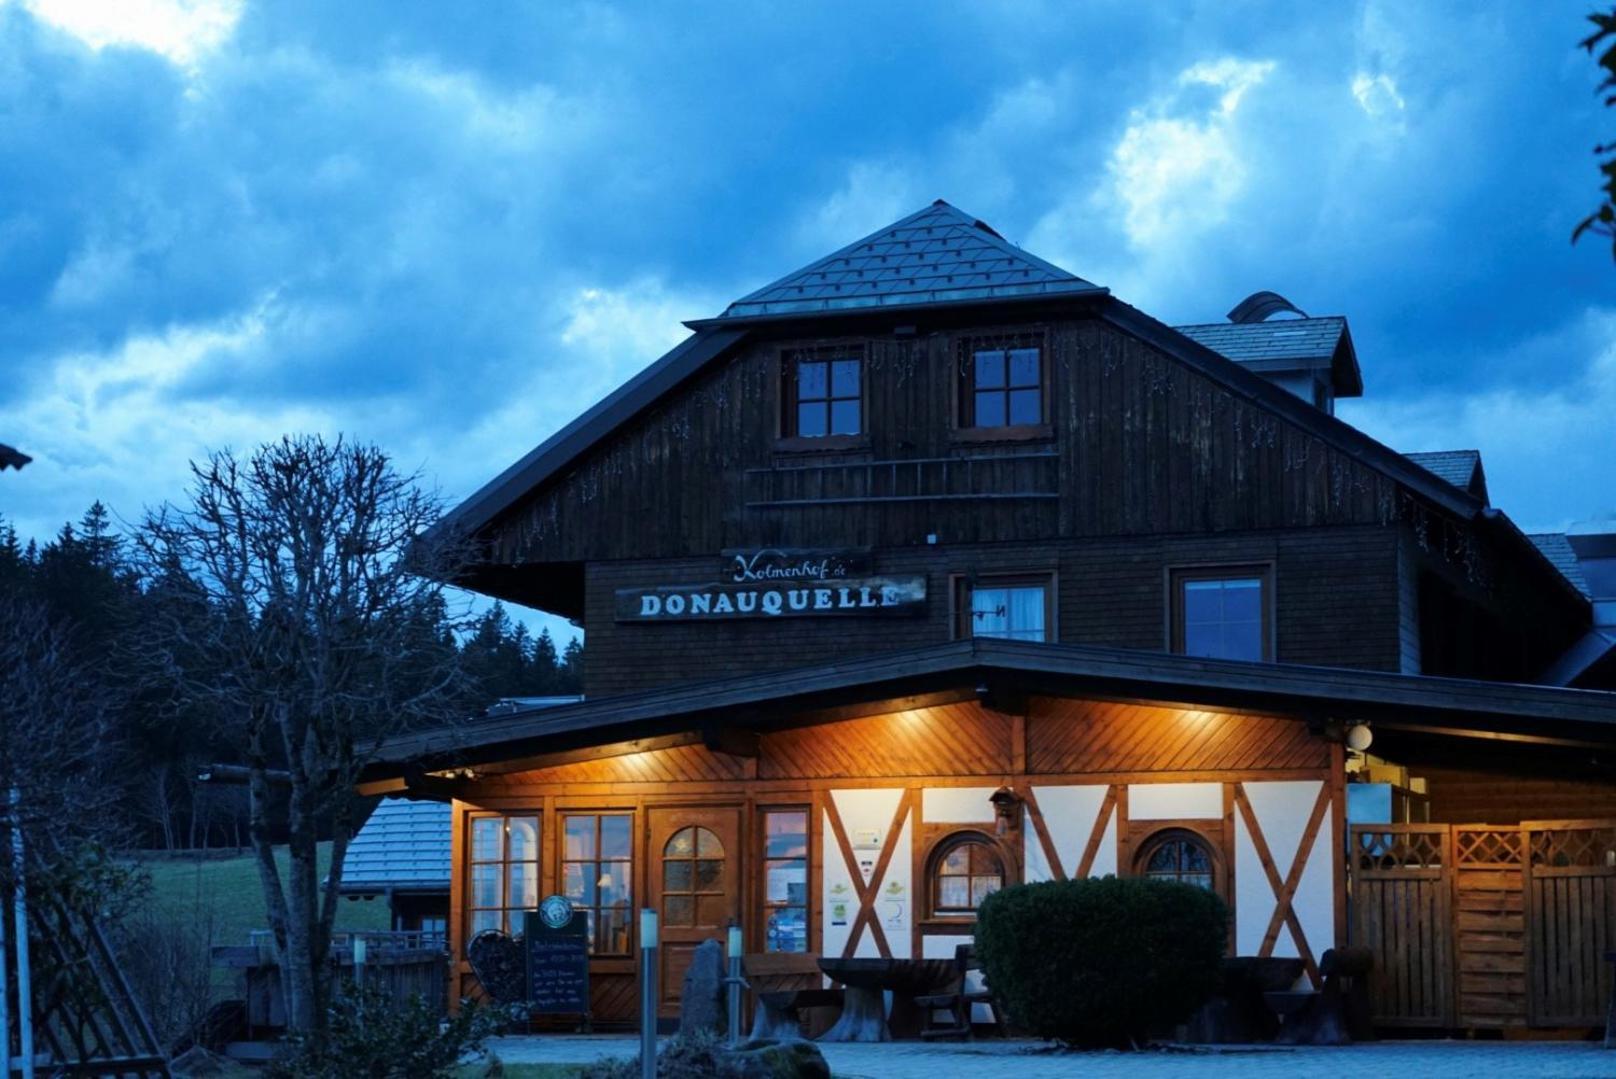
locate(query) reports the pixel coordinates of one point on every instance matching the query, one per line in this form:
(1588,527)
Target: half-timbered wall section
(888,795)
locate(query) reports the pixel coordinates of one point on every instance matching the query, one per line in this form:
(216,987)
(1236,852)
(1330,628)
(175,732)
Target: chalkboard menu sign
(557,946)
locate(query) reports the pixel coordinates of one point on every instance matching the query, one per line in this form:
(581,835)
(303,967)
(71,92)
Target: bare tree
(303,619)
(56,727)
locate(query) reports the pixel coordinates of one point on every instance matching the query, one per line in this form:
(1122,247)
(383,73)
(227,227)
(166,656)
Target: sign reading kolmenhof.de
(779,583)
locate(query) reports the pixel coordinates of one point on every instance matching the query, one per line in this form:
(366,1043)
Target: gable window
(1003,385)
(1222,612)
(1178,855)
(964,871)
(824,394)
(503,881)
(1010,608)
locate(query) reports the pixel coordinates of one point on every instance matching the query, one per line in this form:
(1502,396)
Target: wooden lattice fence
(1486,926)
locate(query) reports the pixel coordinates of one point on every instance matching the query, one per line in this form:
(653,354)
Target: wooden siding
(1082,736)
(1058,737)
(1143,444)
(1335,598)
(1511,793)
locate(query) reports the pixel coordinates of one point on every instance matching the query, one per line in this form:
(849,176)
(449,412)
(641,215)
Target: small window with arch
(965,870)
(1180,855)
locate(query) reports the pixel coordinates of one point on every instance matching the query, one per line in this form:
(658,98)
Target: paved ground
(1029,1060)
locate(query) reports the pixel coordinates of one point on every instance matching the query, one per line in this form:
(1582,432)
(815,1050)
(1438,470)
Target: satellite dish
(1259,306)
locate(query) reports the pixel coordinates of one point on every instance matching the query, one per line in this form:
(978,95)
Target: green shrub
(369,1035)
(1101,962)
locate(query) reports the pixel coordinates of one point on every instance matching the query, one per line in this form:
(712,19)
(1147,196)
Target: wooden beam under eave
(734,741)
(588,753)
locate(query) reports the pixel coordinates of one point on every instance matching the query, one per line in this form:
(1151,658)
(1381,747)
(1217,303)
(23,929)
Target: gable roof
(404,845)
(1259,346)
(760,700)
(1557,549)
(1462,468)
(938,255)
(714,338)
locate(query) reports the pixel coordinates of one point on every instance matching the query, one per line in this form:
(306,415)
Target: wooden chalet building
(932,568)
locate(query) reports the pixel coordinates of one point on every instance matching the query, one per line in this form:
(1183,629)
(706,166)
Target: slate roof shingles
(1557,549)
(939,255)
(1283,339)
(1458,467)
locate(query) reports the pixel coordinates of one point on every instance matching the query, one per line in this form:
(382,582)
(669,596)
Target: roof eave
(851,311)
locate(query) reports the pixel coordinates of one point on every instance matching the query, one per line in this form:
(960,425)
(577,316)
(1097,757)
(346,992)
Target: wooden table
(864,1017)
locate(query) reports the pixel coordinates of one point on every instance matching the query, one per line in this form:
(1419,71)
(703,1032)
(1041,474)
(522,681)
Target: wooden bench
(960,1001)
(783,984)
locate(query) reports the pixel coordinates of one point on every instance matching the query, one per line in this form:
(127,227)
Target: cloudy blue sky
(448,228)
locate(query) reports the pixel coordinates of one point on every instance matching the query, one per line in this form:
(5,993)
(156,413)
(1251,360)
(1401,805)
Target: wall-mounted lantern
(1359,737)
(1006,811)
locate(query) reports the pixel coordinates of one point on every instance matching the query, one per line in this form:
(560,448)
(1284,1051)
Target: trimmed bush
(1101,962)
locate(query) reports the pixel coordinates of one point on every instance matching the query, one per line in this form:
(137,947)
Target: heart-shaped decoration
(497,961)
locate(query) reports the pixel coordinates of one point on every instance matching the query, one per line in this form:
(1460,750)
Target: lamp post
(734,982)
(648,992)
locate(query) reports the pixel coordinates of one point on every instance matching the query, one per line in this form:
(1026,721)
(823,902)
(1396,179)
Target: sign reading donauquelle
(779,583)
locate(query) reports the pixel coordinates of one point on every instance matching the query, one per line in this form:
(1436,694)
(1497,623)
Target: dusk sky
(448,229)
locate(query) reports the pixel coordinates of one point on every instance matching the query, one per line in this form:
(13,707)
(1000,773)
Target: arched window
(1178,855)
(964,871)
(693,878)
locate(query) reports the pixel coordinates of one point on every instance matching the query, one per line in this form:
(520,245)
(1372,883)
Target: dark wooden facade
(1146,463)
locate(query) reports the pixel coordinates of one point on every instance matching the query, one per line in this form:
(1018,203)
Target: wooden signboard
(770,599)
(557,958)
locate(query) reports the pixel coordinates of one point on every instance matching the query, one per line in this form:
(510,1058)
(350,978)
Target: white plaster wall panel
(840,900)
(1253,898)
(1069,813)
(957,805)
(866,815)
(1315,893)
(1036,866)
(1105,854)
(1282,809)
(895,899)
(1175,801)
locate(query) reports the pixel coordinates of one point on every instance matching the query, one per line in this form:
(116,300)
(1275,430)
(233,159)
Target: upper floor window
(824,394)
(1003,386)
(1222,612)
(1012,608)
(964,872)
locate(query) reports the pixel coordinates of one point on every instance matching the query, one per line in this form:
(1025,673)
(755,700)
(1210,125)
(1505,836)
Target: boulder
(701,1004)
(778,1060)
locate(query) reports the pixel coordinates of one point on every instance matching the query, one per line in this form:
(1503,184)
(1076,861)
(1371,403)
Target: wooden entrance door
(694,858)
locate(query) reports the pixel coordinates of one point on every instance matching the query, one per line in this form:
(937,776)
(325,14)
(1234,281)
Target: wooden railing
(976,477)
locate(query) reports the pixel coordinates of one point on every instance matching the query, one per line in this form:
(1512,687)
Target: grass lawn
(224,892)
(523,1071)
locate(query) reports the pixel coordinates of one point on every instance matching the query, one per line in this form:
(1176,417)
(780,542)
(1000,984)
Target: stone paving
(1031,1060)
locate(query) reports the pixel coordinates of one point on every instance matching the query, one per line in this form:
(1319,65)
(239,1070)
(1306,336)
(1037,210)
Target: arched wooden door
(694,862)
